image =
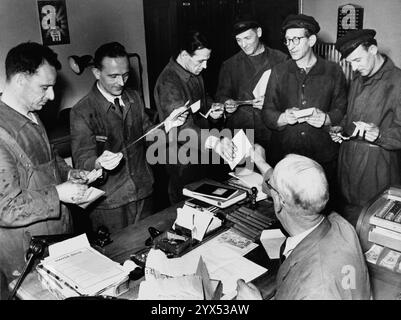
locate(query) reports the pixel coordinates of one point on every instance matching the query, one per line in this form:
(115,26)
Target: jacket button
(302,133)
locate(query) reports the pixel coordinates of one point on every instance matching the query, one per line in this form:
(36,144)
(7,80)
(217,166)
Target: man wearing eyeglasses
(322,258)
(304,97)
(241,73)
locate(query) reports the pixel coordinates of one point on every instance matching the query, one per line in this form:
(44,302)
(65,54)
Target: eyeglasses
(294,40)
(270,187)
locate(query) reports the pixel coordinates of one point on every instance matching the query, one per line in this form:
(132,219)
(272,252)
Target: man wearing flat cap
(368,162)
(304,97)
(240,74)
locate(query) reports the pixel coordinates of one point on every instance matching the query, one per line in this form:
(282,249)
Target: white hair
(302,183)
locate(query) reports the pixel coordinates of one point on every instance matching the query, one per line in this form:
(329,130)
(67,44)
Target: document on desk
(225,264)
(82,267)
(272,240)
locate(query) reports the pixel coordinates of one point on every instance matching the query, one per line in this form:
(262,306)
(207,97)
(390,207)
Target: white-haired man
(323,257)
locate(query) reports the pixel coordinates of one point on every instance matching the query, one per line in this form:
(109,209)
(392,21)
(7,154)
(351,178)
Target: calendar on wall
(350,17)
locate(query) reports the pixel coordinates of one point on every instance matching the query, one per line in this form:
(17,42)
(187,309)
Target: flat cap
(301,21)
(352,39)
(244,23)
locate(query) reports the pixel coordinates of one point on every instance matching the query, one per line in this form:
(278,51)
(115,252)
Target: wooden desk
(132,239)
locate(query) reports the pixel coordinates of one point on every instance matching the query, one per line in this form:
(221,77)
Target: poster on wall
(53,22)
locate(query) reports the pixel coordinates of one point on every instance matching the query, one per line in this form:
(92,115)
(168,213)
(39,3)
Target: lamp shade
(78,64)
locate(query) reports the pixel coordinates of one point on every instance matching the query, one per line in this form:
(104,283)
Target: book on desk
(214,193)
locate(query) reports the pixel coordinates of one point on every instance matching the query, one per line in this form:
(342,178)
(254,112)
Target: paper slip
(243,146)
(373,253)
(197,221)
(93,175)
(303,113)
(260,88)
(91,195)
(272,240)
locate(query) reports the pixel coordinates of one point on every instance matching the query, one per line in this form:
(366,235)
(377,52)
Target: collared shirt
(110,98)
(95,128)
(323,87)
(293,241)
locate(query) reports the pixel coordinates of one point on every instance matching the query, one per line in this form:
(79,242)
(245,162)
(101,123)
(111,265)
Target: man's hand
(108,160)
(217,110)
(317,119)
(78,176)
(258,102)
(175,119)
(335,134)
(224,147)
(258,154)
(70,192)
(372,132)
(289,116)
(230,106)
(247,291)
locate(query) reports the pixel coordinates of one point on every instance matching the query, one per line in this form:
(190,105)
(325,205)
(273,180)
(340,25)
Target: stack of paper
(222,257)
(78,269)
(174,279)
(198,222)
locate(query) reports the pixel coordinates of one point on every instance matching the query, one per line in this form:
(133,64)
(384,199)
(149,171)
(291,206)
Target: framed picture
(53,22)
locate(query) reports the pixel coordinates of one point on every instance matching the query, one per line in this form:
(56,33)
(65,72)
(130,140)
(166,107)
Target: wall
(383,16)
(91,23)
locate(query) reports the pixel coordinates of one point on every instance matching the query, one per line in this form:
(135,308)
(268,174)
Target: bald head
(302,183)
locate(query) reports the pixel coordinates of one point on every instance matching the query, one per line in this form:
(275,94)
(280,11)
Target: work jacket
(323,87)
(96,126)
(365,169)
(29,202)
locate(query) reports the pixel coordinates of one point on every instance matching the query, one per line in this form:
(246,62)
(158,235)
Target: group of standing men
(364,117)
(106,123)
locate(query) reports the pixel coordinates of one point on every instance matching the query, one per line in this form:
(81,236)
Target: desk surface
(132,239)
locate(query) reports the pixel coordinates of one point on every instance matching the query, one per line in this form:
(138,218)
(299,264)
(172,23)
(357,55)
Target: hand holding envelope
(108,160)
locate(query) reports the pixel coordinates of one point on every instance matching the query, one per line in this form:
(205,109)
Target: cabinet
(166,20)
(378,226)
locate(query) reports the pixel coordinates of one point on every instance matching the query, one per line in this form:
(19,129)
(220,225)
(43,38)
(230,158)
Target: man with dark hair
(179,82)
(240,74)
(321,259)
(32,191)
(306,81)
(369,163)
(104,125)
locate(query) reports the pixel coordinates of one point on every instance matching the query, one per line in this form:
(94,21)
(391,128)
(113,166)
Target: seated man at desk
(322,257)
